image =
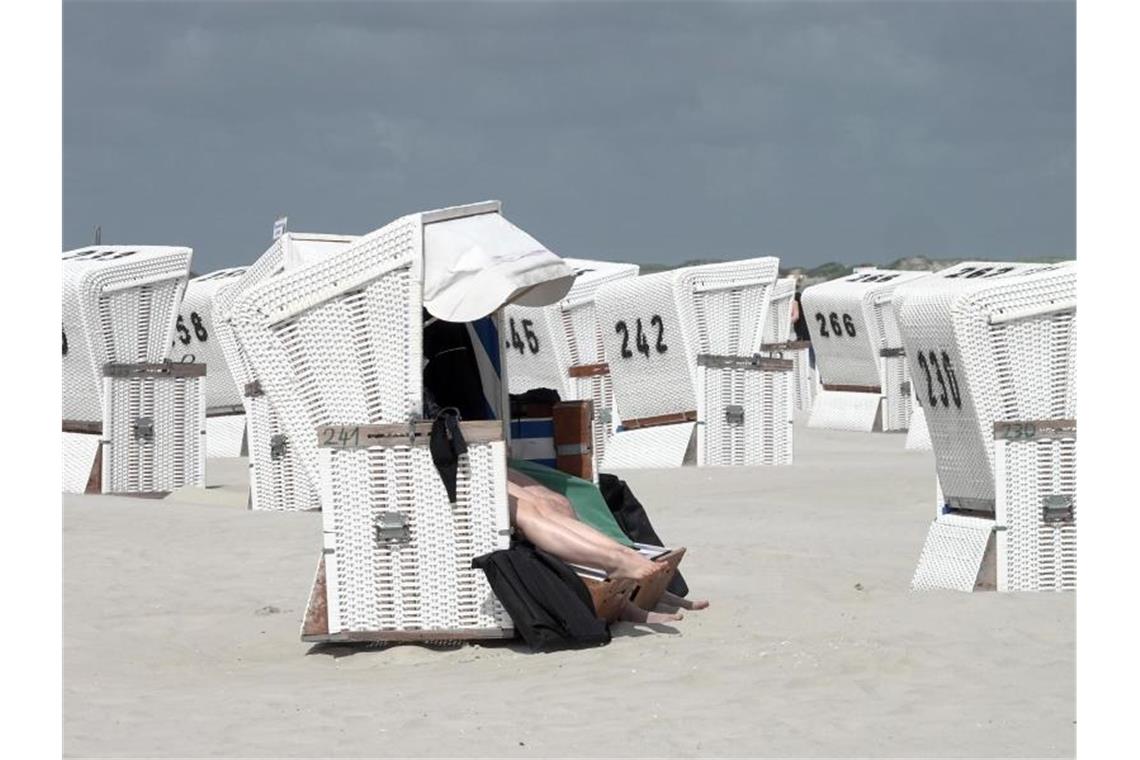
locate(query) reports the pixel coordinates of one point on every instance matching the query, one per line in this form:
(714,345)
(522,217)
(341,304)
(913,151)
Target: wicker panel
(654,328)
(347,348)
(953,553)
(225,435)
(896,393)
(119,305)
(847,318)
(173,454)
(661,446)
(663,381)
(426,583)
(845,410)
(747,416)
(277,478)
(1035,554)
(969,373)
(778,325)
(79,450)
(197,340)
(532,338)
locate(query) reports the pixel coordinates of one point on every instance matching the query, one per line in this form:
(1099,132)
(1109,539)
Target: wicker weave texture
(747,417)
(119,305)
(896,393)
(969,373)
(804,378)
(953,553)
(778,326)
(173,454)
(1035,554)
(196,339)
(339,341)
(225,436)
(847,320)
(845,410)
(655,326)
(427,583)
(278,481)
(661,446)
(79,450)
(917,434)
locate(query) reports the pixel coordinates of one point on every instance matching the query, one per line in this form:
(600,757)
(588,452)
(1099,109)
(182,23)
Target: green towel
(584,497)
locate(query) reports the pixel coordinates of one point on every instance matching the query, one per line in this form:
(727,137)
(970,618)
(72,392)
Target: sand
(181,636)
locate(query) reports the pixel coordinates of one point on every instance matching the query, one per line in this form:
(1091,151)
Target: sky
(645,132)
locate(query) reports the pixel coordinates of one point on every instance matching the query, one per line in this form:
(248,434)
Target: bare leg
(571,540)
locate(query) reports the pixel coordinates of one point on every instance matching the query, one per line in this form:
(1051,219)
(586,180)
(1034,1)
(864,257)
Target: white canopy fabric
(475,264)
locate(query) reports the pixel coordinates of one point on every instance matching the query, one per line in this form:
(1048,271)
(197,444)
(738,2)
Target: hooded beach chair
(337,347)
(683,349)
(196,340)
(561,347)
(133,422)
(277,482)
(858,351)
(992,353)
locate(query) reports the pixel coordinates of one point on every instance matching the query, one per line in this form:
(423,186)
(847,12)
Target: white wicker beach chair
(780,343)
(130,423)
(858,352)
(992,350)
(277,481)
(561,347)
(337,347)
(196,340)
(683,350)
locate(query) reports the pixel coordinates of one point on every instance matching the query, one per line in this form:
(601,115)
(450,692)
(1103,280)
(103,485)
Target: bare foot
(630,564)
(634,614)
(679,601)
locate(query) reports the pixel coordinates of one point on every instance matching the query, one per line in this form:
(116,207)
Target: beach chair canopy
(475,264)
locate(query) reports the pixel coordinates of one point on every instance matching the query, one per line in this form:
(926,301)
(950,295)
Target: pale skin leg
(547,519)
(570,540)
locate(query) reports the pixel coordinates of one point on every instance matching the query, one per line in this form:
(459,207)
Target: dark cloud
(645,132)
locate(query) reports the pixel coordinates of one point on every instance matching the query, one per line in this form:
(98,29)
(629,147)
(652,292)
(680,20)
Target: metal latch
(604,416)
(734,414)
(1056,508)
(392,528)
(144,429)
(904,389)
(277,446)
(253,389)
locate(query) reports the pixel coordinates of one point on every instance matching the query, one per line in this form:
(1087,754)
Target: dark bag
(549,604)
(633,521)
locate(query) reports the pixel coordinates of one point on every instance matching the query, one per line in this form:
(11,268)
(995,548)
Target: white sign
(280,226)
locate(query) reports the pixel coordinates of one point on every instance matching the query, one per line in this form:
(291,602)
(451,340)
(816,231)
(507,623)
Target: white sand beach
(181,636)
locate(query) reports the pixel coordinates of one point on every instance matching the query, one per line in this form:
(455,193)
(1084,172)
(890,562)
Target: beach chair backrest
(277,479)
(655,326)
(651,364)
(196,338)
(120,304)
(988,342)
(851,322)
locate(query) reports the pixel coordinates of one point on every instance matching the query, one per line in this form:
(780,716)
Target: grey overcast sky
(657,132)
